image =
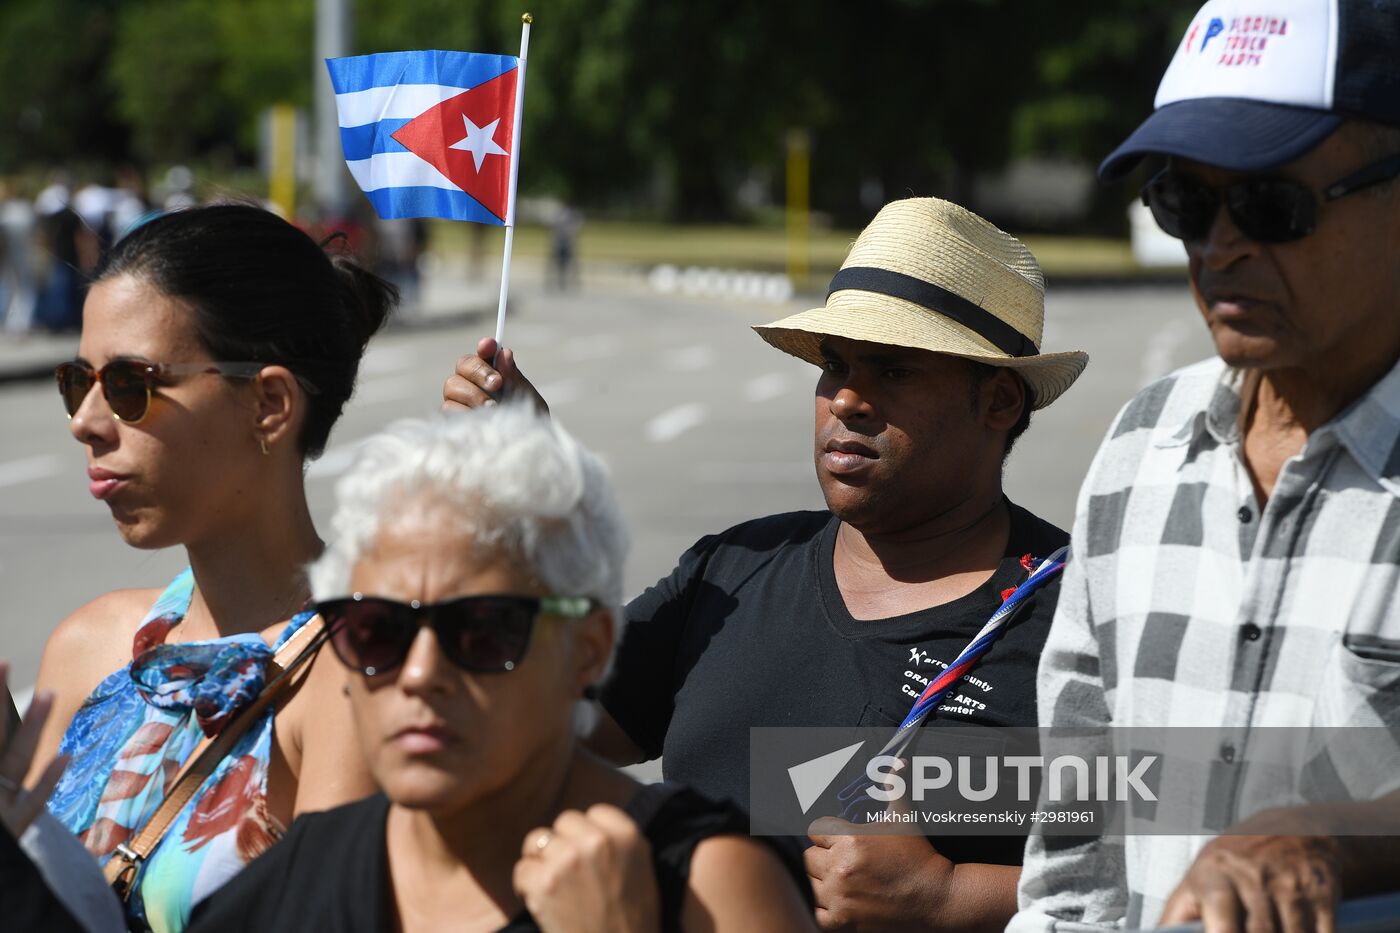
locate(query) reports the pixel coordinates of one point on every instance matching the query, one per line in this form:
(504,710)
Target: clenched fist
(590,872)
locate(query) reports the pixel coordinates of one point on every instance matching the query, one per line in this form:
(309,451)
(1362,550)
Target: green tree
(664,106)
(166,65)
(265,48)
(581,139)
(1097,83)
(57,106)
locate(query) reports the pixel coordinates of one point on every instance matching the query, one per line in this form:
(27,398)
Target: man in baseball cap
(1237,541)
(1255,86)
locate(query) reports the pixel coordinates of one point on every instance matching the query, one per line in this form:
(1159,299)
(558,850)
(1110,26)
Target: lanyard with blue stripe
(855,794)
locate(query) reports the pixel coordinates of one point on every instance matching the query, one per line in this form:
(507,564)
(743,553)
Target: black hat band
(938,300)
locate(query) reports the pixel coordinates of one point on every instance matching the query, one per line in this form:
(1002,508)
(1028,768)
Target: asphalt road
(702,423)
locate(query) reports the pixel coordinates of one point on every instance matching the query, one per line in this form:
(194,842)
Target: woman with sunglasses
(219,345)
(471,590)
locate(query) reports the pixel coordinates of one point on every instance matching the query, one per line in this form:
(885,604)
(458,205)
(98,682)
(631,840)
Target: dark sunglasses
(482,634)
(1266,209)
(128,384)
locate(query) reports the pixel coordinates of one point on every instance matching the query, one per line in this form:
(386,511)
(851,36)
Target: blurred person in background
(130,204)
(563,246)
(1236,554)
(476,252)
(219,346)
(17,257)
(94,204)
(176,189)
(471,586)
(63,242)
(400,245)
(56,195)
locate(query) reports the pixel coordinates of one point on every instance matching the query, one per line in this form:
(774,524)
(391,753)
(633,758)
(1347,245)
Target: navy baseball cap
(1257,83)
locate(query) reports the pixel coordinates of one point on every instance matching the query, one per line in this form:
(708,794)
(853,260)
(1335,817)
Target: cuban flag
(429,134)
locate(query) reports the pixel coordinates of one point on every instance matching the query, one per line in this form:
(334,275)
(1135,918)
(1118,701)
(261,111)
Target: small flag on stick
(435,134)
(429,134)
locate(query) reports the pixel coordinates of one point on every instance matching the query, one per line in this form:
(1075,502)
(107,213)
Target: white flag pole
(526,20)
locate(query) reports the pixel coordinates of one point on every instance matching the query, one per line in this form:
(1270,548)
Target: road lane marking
(674,422)
(688,359)
(766,387)
(29,469)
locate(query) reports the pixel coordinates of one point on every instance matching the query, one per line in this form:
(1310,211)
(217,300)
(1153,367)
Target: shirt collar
(1220,419)
(1369,428)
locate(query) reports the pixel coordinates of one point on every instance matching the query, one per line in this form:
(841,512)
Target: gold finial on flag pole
(527,19)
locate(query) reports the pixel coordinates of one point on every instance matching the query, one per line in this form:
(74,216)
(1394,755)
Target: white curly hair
(516,482)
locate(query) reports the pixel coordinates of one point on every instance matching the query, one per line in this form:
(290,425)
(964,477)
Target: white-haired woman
(472,586)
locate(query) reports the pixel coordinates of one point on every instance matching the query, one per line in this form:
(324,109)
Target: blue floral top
(132,735)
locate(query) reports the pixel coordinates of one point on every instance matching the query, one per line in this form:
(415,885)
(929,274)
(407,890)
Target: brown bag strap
(124,865)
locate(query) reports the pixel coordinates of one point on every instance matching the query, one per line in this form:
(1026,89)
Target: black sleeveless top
(331,871)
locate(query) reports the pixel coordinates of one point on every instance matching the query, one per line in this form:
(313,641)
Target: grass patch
(759,249)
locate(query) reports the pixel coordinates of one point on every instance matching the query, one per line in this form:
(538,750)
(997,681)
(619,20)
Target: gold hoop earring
(262,442)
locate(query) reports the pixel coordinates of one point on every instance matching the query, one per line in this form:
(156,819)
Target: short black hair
(1377,141)
(981,373)
(263,291)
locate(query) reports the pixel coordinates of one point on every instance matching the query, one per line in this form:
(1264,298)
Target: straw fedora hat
(931,275)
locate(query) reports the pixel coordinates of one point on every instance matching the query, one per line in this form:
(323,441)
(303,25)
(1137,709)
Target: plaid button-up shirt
(1186,603)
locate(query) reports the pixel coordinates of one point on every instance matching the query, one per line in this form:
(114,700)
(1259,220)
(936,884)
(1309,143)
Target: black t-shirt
(331,872)
(751,630)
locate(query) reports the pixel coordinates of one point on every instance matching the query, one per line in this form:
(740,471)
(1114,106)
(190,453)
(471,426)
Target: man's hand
(476,382)
(1253,884)
(875,881)
(20,805)
(589,873)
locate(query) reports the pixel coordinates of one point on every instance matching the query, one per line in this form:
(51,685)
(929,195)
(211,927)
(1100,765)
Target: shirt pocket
(1353,748)
(1373,648)
(1361,686)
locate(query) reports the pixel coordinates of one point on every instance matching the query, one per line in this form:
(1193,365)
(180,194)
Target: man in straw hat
(930,366)
(1237,541)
